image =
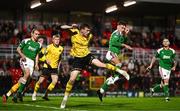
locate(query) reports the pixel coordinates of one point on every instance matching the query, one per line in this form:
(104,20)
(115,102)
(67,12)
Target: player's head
(56,39)
(85,30)
(42,39)
(166,42)
(34,34)
(121,25)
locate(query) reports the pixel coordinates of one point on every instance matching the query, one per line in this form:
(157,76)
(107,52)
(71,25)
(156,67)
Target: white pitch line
(40,106)
(37,106)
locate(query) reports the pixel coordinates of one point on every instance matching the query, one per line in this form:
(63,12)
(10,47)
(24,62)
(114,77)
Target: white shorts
(110,55)
(165,74)
(27,64)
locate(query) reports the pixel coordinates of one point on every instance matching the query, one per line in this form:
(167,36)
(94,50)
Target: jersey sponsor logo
(166,57)
(31,48)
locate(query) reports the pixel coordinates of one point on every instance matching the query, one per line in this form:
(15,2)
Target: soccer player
(117,42)
(50,67)
(28,51)
(36,73)
(82,57)
(16,86)
(166,56)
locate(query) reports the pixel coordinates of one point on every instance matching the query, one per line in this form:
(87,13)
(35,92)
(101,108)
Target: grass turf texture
(93,104)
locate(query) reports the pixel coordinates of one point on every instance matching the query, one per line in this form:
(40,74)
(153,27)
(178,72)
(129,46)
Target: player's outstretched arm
(127,46)
(37,62)
(66,27)
(151,64)
(174,66)
(69,26)
(23,57)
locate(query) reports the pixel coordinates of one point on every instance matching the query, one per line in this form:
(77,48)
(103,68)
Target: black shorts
(49,71)
(80,63)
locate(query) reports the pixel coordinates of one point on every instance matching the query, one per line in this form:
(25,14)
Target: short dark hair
(122,22)
(165,38)
(84,25)
(42,37)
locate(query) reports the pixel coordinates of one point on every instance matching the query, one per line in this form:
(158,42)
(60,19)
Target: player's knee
(38,83)
(54,81)
(40,80)
(22,80)
(71,81)
(26,76)
(166,83)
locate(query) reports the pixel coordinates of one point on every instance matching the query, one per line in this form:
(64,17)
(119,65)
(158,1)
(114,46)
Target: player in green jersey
(15,87)
(117,42)
(28,50)
(166,56)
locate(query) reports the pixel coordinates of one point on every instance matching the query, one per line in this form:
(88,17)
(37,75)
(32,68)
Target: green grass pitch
(93,104)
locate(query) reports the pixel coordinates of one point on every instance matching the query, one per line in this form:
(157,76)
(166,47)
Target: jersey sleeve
(40,47)
(174,55)
(157,54)
(22,44)
(90,37)
(47,49)
(74,31)
(125,39)
(42,52)
(60,56)
(114,40)
(42,57)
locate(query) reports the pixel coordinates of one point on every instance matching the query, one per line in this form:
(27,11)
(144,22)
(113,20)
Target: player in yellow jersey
(81,56)
(52,59)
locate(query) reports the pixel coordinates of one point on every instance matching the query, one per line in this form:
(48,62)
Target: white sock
(65,97)
(120,71)
(35,93)
(9,93)
(116,78)
(101,90)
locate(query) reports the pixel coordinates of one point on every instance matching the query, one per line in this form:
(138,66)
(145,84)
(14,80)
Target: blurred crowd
(9,33)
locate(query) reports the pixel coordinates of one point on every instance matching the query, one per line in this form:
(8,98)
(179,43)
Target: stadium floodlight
(49,0)
(129,2)
(111,9)
(35,4)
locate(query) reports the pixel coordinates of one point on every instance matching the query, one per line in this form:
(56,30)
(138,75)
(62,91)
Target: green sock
(157,88)
(166,90)
(21,88)
(105,86)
